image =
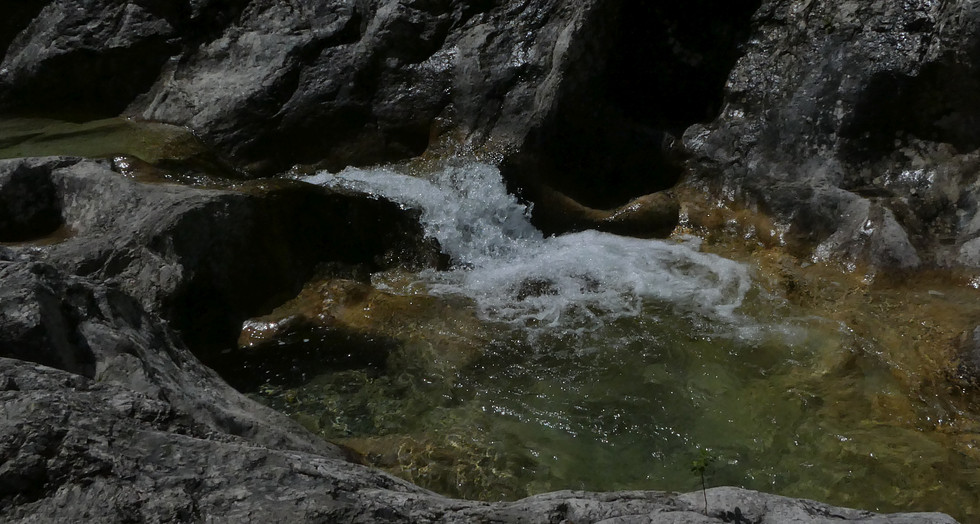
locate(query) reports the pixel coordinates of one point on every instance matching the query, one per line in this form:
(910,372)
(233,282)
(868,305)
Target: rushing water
(606,362)
(572,283)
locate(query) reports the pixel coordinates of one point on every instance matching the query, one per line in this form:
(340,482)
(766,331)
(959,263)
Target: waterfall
(573,282)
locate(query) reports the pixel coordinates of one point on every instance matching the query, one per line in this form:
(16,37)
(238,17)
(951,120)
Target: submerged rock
(649,216)
(968,368)
(338,323)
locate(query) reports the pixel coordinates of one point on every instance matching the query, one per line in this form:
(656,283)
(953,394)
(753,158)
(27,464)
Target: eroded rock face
(77,450)
(274,84)
(597,91)
(852,121)
(83,57)
(98,332)
(364,82)
(208,259)
(855,122)
(91,302)
(120,386)
(600,87)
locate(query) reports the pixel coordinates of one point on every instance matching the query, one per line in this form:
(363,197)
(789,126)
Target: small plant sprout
(698,467)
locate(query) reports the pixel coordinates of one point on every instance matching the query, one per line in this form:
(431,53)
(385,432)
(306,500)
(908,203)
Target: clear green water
(801,407)
(149,141)
(607,363)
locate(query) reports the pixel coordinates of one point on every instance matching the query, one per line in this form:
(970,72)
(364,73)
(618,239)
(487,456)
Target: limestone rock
(596,86)
(98,332)
(83,57)
(207,259)
(365,82)
(854,122)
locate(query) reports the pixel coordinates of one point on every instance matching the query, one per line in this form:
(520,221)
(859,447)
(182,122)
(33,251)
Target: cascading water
(573,282)
(591,361)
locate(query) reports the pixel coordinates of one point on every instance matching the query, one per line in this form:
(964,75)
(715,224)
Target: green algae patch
(151,142)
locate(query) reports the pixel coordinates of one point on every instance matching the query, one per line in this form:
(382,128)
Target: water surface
(606,363)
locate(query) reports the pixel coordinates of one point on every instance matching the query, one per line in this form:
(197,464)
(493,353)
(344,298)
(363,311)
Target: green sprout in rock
(699,466)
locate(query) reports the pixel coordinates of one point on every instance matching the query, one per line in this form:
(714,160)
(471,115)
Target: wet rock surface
(649,216)
(274,84)
(968,369)
(207,259)
(103,301)
(854,123)
(356,83)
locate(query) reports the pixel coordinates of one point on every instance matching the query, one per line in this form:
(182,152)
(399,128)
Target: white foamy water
(574,282)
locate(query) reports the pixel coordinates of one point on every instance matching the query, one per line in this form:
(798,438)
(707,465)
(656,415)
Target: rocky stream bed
(161,242)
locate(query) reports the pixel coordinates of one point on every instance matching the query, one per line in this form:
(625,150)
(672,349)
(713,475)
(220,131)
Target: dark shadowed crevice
(29,205)
(662,69)
(671,60)
(940,104)
(51,335)
(16,17)
(209,20)
(103,83)
(281,239)
(299,356)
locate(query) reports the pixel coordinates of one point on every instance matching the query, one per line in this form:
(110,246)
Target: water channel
(597,362)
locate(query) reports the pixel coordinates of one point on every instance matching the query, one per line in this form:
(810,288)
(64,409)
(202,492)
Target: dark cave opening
(662,67)
(671,60)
